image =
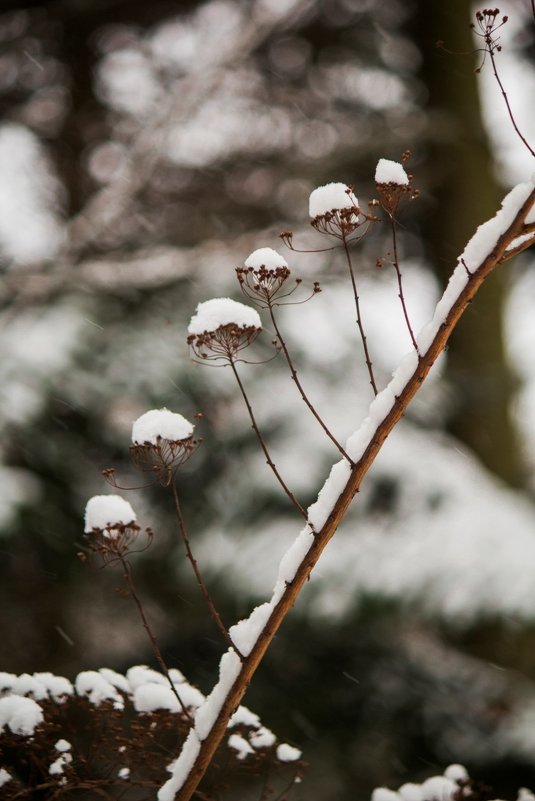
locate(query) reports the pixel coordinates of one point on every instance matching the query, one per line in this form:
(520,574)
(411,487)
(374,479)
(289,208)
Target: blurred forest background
(145,150)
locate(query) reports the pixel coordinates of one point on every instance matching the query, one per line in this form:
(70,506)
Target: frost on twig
(485,251)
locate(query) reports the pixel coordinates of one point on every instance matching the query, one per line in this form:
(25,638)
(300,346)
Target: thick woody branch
(404,393)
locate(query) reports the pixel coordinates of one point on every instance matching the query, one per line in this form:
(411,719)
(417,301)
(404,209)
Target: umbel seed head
(108,513)
(161,424)
(110,526)
(334,210)
(393,184)
(162,441)
(221,328)
(263,276)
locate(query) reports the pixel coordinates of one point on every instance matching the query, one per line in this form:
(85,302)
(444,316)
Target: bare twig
(401,294)
(299,386)
(202,586)
(522,138)
(155,647)
(488,23)
(263,445)
(359,316)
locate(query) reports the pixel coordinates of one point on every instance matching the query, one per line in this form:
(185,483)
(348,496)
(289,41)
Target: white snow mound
(331,197)
(105,511)
(265,257)
(390,172)
(218,312)
(160,423)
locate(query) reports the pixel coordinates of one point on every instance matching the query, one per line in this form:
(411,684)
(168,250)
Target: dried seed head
(263,275)
(287,237)
(107,513)
(334,210)
(393,183)
(488,25)
(110,526)
(162,441)
(221,328)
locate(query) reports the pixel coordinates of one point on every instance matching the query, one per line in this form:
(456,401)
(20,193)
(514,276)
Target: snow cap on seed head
(162,441)
(265,257)
(163,424)
(107,512)
(330,198)
(263,275)
(390,172)
(218,312)
(393,185)
(221,328)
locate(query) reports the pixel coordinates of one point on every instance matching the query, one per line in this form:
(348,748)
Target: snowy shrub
(111,735)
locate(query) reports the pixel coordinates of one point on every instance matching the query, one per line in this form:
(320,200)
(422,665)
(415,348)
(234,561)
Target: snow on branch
(484,252)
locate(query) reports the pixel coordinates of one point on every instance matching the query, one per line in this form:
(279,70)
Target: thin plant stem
(193,562)
(263,445)
(299,386)
(359,316)
(504,94)
(401,294)
(155,647)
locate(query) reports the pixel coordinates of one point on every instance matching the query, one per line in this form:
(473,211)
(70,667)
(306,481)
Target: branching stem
(299,386)
(193,562)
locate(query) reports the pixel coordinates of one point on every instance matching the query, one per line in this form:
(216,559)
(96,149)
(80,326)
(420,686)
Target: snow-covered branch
(490,246)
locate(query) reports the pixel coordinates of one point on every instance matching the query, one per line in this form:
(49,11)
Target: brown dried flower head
(488,24)
(221,328)
(161,442)
(393,184)
(263,277)
(110,527)
(334,210)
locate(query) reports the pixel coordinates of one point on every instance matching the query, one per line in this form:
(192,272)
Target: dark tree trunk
(466,193)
